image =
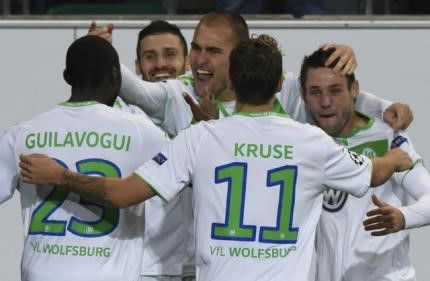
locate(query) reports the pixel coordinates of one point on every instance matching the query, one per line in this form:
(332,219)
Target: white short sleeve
(169,171)
(9,174)
(345,170)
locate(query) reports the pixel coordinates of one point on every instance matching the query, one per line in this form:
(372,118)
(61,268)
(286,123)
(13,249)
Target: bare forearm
(395,160)
(92,188)
(383,169)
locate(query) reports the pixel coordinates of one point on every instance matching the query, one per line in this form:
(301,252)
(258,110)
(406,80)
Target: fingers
(381,220)
(381,232)
(349,68)
(109,28)
(378,202)
(347,62)
(398,116)
(93,26)
(198,113)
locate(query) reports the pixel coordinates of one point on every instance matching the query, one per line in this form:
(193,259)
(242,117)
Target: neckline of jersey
(355,131)
(223,110)
(261,113)
(78,103)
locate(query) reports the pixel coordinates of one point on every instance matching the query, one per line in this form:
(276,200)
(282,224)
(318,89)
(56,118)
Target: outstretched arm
(39,169)
(387,219)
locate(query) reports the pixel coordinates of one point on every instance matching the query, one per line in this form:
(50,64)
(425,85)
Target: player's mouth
(158,76)
(203,75)
(326,115)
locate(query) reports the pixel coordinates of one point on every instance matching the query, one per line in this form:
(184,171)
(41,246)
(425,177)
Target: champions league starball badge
(359,160)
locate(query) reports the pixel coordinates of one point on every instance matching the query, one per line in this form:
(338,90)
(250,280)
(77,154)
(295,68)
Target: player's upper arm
(149,96)
(371,105)
(169,171)
(289,97)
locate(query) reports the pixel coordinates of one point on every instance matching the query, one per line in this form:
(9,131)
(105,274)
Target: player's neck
(267,107)
(357,121)
(226,95)
(85,95)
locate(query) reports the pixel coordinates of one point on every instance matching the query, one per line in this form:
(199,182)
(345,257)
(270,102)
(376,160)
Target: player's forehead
(160,42)
(324,77)
(214,35)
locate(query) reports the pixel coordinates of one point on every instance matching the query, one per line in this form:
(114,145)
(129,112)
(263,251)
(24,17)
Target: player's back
(68,237)
(258,182)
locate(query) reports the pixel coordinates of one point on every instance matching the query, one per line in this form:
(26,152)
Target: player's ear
(229,84)
(137,67)
(303,94)
(67,78)
(116,76)
(355,89)
(280,82)
(187,63)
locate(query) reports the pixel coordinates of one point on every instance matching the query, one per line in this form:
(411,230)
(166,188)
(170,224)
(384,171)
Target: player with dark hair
(67,237)
(257,191)
(161,52)
(345,251)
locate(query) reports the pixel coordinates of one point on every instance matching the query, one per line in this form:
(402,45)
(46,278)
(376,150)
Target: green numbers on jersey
(235,174)
(40,223)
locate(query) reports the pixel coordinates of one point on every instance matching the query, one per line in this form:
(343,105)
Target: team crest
(334,200)
(369,152)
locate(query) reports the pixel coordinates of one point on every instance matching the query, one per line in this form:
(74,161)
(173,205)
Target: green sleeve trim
(151,187)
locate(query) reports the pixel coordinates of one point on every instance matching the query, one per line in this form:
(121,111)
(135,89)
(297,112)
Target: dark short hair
(90,60)
(255,70)
(161,27)
(317,60)
(235,21)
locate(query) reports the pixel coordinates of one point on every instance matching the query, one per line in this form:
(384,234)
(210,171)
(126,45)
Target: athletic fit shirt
(345,251)
(257,192)
(66,237)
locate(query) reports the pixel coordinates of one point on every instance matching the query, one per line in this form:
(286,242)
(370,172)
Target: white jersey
(168,235)
(66,237)
(257,192)
(345,251)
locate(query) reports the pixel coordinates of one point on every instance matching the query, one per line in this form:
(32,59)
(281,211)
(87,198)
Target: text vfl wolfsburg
(250,252)
(70,250)
(90,139)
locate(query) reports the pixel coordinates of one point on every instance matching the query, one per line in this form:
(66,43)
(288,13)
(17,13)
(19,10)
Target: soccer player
(345,251)
(67,237)
(257,177)
(162,54)
(214,37)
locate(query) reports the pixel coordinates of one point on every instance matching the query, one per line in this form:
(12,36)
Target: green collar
(221,108)
(262,113)
(355,131)
(78,103)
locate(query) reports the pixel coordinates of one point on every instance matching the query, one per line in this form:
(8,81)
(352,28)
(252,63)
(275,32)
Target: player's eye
(149,57)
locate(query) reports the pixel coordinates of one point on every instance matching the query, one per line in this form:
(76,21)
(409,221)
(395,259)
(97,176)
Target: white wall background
(393,61)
